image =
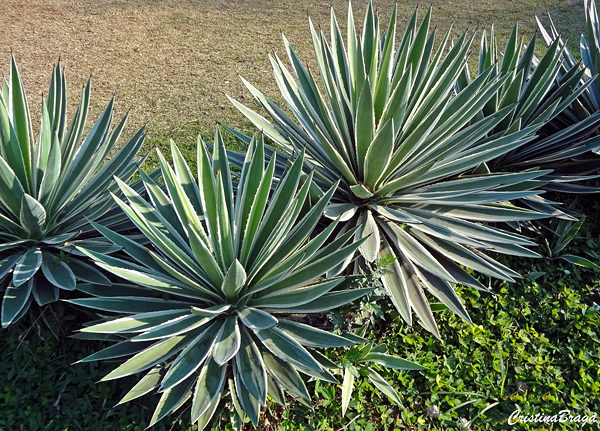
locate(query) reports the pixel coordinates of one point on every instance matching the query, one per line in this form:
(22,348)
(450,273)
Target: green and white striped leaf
(14,300)
(255,318)
(391,361)
(27,266)
(310,336)
(347,387)
(146,384)
(383,385)
(252,369)
(234,279)
(59,274)
(171,400)
(191,358)
(227,342)
(208,386)
(287,349)
(153,355)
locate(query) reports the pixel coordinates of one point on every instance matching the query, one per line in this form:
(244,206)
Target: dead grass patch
(171,61)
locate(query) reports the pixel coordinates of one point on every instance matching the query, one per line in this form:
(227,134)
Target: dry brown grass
(172,61)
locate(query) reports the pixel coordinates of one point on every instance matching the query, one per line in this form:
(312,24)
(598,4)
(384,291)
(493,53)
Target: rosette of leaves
(51,187)
(240,267)
(384,120)
(589,44)
(543,98)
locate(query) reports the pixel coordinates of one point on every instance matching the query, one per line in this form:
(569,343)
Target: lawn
(534,345)
(172,62)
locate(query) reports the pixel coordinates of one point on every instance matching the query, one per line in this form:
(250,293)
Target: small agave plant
(51,187)
(385,119)
(544,98)
(240,267)
(361,360)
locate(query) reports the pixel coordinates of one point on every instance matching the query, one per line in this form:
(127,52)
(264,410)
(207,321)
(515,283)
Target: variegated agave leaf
(544,96)
(385,120)
(236,264)
(51,187)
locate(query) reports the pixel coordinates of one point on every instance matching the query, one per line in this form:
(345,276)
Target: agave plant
(589,102)
(544,97)
(238,271)
(51,187)
(387,123)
